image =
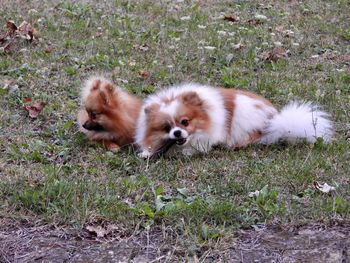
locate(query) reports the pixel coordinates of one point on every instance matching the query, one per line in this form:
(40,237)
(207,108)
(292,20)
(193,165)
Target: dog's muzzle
(93,126)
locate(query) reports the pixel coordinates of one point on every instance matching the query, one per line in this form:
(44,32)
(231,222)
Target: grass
(52,174)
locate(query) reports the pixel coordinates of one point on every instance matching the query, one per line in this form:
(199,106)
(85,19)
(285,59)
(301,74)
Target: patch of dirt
(24,243)
(316,243)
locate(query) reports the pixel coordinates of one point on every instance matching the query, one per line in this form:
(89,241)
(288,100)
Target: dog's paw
(113,147)
(144,154)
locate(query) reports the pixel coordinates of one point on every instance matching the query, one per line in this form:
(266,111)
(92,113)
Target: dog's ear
(107,93)
(109,88)
(152,108)
(192,98)
(96,84)
(104,97)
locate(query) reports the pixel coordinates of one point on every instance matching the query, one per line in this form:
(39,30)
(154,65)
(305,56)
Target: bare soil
(309,243)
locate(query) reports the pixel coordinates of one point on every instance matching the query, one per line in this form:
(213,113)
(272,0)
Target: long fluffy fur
(297,121)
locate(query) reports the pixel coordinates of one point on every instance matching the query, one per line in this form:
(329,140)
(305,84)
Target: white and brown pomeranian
(193,117)
(108,114)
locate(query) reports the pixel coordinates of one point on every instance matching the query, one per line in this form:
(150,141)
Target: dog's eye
(93,115)
(166,127)
(185,122)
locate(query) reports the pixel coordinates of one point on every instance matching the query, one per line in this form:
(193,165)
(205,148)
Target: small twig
(157,259)
(147,249)
(305,161)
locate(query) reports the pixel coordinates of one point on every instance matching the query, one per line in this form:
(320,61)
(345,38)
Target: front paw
(113,147)
(144,154)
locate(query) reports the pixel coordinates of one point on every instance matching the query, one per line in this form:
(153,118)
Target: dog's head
(100,102)
(175,119)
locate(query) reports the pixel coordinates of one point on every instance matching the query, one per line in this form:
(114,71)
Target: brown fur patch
(167,100)
(229,96)
(157,127)
(191,98)
(192,109)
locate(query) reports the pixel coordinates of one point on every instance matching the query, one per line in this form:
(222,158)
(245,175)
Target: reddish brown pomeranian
(108,114)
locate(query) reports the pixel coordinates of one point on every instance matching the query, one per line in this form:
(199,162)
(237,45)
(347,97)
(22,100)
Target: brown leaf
(101,231)
(281,52)
(345,58)
(143,47)
(275,54)
(25,29)
(231,18)
(35,109)
(49,50)
(27,100)
(3,38)
(338,58)
(98,230)
(9,44)
(255,22)
(11,27)
(14,34)
(98,34)
(144,74)
(279,29)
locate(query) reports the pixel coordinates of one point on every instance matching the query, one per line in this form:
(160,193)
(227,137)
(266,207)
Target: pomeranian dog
(193,117)
(108,114)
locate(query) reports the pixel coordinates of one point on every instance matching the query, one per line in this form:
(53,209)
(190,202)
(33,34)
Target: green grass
(49,171)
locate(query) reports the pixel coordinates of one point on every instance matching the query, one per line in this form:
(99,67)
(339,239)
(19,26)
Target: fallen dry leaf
(14,34)
(281,52)
(49,50)
(27,100)
(324,188)
(275,54)
(337,58)
(253,194)
(143,47)
(11,27)
(27,31)
(101,231)
(144,74)
(231,18)
(255,22)
(98,230)
(35,109)
(279,29)
(347,134)
(98,34)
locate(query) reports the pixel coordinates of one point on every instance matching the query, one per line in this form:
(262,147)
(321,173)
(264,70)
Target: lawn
(186,208)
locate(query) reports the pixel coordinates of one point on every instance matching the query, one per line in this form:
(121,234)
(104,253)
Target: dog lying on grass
(109,114)
(192,118)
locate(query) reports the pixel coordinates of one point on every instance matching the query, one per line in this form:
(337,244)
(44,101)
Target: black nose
(177,133)
(93,126)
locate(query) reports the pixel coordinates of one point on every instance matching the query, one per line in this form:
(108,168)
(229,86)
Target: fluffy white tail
(298,121)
